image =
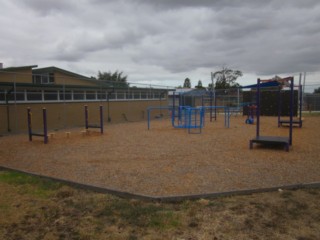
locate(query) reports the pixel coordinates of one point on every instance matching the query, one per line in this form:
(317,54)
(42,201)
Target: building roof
(196,92)
(73,87)
(9,69)
(53,69)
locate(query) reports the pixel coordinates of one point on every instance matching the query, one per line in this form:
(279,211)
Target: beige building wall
(64,79)
(68,115)
(19,75)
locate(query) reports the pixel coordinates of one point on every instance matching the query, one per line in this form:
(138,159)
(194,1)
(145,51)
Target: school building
(64,94)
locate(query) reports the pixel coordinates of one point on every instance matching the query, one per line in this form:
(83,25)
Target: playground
(166,161)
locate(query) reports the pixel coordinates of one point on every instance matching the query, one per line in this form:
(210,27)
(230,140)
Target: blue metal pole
(215,104)
(211,102)
(173,109)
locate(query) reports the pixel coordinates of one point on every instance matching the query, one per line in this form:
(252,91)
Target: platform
(294,122)
(271,140)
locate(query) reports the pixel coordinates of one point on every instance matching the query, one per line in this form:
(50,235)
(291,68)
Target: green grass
(33,185)
(140,214)
(305,114)
(31,204)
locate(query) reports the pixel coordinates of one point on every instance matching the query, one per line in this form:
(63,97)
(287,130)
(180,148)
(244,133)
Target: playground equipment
(190,118)
(45,129)
(273,140)
(226,112)
(183,117)
(297,121)
(252,109)
(87,125)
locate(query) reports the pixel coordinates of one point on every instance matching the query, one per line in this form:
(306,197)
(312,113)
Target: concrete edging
(176,198)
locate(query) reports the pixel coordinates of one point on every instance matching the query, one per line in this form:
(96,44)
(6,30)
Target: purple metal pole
(45,129)
(101,119)
(258,108)
(86,116)
(291,110)
(29,124)
(300,104)
(279,105)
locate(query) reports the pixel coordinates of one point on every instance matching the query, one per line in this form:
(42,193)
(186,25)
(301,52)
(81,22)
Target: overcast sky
(164,41)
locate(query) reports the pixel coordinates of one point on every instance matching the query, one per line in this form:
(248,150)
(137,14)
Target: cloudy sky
(164,41)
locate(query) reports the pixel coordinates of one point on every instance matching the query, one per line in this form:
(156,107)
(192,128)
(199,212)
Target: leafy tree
(187,83)
(115,79)
(317,90)
(226,78)
(199,86)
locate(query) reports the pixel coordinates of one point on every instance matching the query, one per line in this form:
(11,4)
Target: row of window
(75,95)
(43,78)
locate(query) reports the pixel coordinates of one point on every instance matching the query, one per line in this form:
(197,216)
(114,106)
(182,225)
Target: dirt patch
(168,162)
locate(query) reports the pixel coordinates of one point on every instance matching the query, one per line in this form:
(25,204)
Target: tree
(199,86)
(226,78)
(115,79)
(187,83)
(317,90)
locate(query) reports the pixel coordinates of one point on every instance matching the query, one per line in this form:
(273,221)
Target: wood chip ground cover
(169,162)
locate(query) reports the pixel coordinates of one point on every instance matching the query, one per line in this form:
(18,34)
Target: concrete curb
(175,198)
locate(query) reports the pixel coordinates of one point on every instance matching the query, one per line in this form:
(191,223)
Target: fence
(64,98)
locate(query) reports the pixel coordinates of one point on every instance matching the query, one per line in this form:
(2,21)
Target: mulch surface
(164,161)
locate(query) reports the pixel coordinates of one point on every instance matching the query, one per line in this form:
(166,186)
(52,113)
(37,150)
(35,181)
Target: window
(102,95)
(47,78)
(78,95)
(144,95)
(16,96)
(91,95)
(50,95)
(129,95)
(34,95)
(66,95)
(2,95)
(136,95)
(156,95)
(112,95)
(120,95)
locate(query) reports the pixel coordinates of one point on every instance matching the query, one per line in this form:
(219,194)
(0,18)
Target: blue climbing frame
(189,117)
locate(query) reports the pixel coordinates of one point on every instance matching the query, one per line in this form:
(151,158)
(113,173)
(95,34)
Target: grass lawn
(36,208)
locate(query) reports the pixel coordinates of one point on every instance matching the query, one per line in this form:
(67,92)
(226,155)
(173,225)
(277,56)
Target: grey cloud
(48,6)
(178,36)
